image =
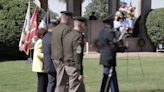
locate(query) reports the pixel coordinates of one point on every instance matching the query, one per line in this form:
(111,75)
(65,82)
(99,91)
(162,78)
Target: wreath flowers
(124,19)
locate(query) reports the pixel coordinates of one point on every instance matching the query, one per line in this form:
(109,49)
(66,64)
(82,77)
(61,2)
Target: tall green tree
(12,16)
(100,7)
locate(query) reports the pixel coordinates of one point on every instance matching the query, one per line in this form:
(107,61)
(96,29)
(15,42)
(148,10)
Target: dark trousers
(42,82)
(51,82)
(109,80)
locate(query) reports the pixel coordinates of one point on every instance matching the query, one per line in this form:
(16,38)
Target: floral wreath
(124,19)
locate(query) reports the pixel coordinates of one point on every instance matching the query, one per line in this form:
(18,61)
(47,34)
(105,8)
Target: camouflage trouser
(75,85)
(61,85)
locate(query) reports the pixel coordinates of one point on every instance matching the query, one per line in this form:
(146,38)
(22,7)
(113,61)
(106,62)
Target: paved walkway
(130,54)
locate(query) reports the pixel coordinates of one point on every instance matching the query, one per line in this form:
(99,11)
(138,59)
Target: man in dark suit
(47,61)
(105,42)
(58,34)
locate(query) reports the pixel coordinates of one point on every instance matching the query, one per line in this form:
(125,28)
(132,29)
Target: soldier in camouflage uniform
(73,45)
(58,33)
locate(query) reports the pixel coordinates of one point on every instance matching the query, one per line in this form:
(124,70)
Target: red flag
(30,34)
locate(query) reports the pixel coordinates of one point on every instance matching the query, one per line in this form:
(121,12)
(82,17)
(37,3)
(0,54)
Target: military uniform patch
(79,49)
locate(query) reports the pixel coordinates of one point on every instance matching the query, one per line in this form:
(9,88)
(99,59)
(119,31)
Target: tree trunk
(113,6)
(74,6)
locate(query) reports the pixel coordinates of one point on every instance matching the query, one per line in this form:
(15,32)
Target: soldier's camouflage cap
(66,13)
(81,19)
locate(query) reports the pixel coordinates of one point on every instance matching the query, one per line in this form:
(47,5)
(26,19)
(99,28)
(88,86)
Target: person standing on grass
(47,61)
(106,46)
(58,34)
(73,45)
(37,64)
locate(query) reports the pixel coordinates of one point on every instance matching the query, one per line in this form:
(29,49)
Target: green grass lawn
(16,76)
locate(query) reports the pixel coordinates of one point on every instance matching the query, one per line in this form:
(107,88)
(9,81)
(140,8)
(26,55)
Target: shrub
(155,25)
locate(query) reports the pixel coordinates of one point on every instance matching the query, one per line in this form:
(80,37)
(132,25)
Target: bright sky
(157,4)
(57,6)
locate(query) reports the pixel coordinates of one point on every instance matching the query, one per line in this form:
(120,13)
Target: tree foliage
(155,25)
(12,16)
(100,7)
(64,1)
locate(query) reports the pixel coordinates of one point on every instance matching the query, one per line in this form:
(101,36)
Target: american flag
(30,34)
